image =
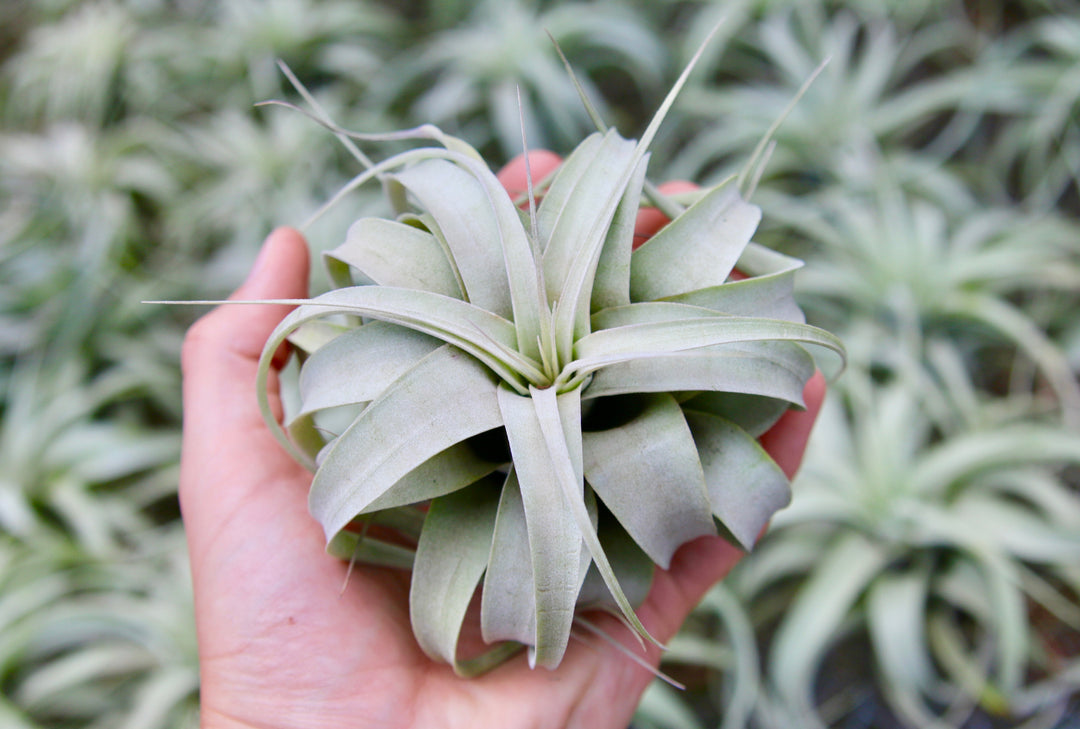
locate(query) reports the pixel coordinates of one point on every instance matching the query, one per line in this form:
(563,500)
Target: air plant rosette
(548,411)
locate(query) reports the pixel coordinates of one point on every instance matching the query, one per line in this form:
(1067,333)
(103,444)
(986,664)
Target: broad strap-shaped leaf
(648,475)
(621,344)
(556,415)
(508,603)
(463,211)
(555,539)
(768,295)
(564,184)
(697,250)
(647,312)
(758,368)
(577,214)
(446,398)
(391,253)
(752,413)
(611,284)
(358,365)
(474,330)
(968,455)
(450,559)
(446,472)
(574,247)
(745,485)
(896,610)
(484,232)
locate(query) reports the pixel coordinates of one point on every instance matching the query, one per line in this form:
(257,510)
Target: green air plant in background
(473,78)
(569,409)
(951,546)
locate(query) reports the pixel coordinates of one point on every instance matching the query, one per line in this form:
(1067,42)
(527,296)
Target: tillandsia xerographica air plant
(548,411)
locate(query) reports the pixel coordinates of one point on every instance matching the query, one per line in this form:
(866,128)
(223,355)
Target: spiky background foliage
(929,178)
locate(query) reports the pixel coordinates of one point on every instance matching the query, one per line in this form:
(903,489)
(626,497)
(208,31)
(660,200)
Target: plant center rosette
(547,410)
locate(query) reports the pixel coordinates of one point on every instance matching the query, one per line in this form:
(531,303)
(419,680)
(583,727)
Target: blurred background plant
(928,571)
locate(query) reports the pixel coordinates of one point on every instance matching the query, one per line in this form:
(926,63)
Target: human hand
(281,644)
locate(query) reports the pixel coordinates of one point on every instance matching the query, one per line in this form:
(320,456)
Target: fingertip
(786,441)
(282,264)
(650,220)
(541,164)
(814,393)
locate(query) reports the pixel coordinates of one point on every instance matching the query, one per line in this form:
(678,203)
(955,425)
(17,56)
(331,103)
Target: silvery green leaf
(752,413)
(611,284)
(1020,531)
(358,365)
(579,228)
(633,569)
(462,208)
(770,296)
(563,186)
(490,248)
(648,312)
(968,455)
(745,485)
(450,559)
(896,614)
(477,331)
(1004,600)
(508,603)
(648,475)
(697,250)
(445,472)
(392,253)
(557,430)
(555,540)
(765,370)
(446,398)
(347,545)
(620,344)
(571,318)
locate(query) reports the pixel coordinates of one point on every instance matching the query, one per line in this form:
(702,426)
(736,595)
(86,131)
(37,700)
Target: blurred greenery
(927,573)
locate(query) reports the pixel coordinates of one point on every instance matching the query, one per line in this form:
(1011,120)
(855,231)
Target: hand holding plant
(282,645)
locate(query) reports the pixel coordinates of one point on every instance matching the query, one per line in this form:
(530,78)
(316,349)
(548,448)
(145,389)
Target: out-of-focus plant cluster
(928,571)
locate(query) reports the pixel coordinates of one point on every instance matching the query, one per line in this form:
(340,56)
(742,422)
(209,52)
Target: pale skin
(281,645)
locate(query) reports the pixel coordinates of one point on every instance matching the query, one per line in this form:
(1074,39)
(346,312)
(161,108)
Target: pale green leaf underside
(697,250)
(392,253)
(555,539)
(508,603)
(724,368)
(464,213)
(446,398)
(624,343)
(745,486)
(648,474)
(450,559)
(357,366)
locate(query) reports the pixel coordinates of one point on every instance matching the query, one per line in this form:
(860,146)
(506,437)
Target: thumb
(225,345)
(221,354)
